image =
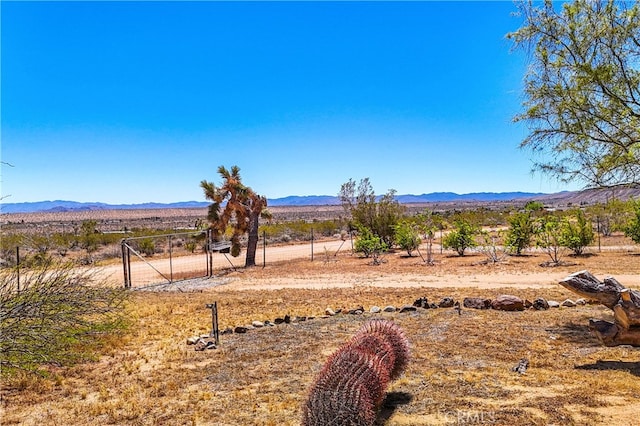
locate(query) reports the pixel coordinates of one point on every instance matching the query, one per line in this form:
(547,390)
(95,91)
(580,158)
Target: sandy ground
(485,281)
(334,266)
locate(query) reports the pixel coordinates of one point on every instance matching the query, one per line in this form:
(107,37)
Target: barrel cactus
(352,383)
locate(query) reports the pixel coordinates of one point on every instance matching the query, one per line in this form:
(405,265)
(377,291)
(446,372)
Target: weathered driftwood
(625,303)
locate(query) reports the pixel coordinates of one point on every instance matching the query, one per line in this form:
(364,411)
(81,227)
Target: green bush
(520,233)
(632,230)
(407,237)
(577,232)
(368,243)
(461,237)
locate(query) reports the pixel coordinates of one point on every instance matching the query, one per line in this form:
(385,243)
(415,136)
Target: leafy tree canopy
(582,89)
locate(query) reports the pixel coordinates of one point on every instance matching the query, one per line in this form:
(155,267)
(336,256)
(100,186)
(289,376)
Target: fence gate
(162,259)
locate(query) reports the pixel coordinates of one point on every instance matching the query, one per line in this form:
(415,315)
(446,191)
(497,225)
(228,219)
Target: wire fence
(170,258)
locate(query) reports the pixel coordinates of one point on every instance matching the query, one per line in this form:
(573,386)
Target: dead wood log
(625,304)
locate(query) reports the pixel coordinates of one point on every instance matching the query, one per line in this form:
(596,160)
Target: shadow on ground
(391,404)
(575,333)
(630,366)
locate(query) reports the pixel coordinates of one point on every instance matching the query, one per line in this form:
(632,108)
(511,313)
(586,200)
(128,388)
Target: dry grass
(460,372)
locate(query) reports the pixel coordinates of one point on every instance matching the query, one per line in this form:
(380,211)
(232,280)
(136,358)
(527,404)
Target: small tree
(407,237)
(491,248)
(577,232)
(520,233)
(380,217)
(549,238)
(632,230)
(461,237)
(428,223)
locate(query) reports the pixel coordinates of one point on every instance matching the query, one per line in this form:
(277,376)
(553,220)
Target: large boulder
(507,302)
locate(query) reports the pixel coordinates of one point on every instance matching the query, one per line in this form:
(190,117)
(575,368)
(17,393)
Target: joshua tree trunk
(625,303)
(252,242)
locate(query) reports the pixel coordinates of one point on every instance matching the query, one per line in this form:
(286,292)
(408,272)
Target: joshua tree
(238,205)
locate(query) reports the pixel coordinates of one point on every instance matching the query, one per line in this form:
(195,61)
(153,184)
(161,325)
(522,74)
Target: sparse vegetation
(150,376)
(53,314)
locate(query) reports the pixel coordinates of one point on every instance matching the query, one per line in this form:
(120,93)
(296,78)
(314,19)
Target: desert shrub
(407,237)
(577,232)
(379,214)
(490,246)
(8,244)
(632,230)
(521,232)
(368,244)
(147,246)
(461,238)
(54,314)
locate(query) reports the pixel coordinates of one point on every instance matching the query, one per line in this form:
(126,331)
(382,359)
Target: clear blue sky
(135,102)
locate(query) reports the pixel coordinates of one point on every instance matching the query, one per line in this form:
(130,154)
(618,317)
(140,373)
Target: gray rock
(476,303)
(278,320)
(421,303)
(446,302)
(240,330)
(553,304)
(389,309)
(581,301)
(408,308)
(540,304)
(192,340)
(375,310)
(568,303)
(357,311)
(257,324)
(329,312)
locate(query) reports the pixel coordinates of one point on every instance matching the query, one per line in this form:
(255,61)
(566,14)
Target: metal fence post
(312,244)
(209,253)
(170,260)
(18,266)
(215,330)
(125,263)
(264,248)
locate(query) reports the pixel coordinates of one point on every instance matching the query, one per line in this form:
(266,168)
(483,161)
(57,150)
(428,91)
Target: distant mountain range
(294,200)
(566,198)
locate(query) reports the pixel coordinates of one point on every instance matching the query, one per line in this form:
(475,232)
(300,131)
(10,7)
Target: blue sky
(123,102)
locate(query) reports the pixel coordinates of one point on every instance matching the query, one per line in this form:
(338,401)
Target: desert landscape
(462,360)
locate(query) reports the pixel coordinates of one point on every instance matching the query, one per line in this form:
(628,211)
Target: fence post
(215,330)
(209,254)
(18,266)
(264,248)
(170,260)
(312,244)
(125,262)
